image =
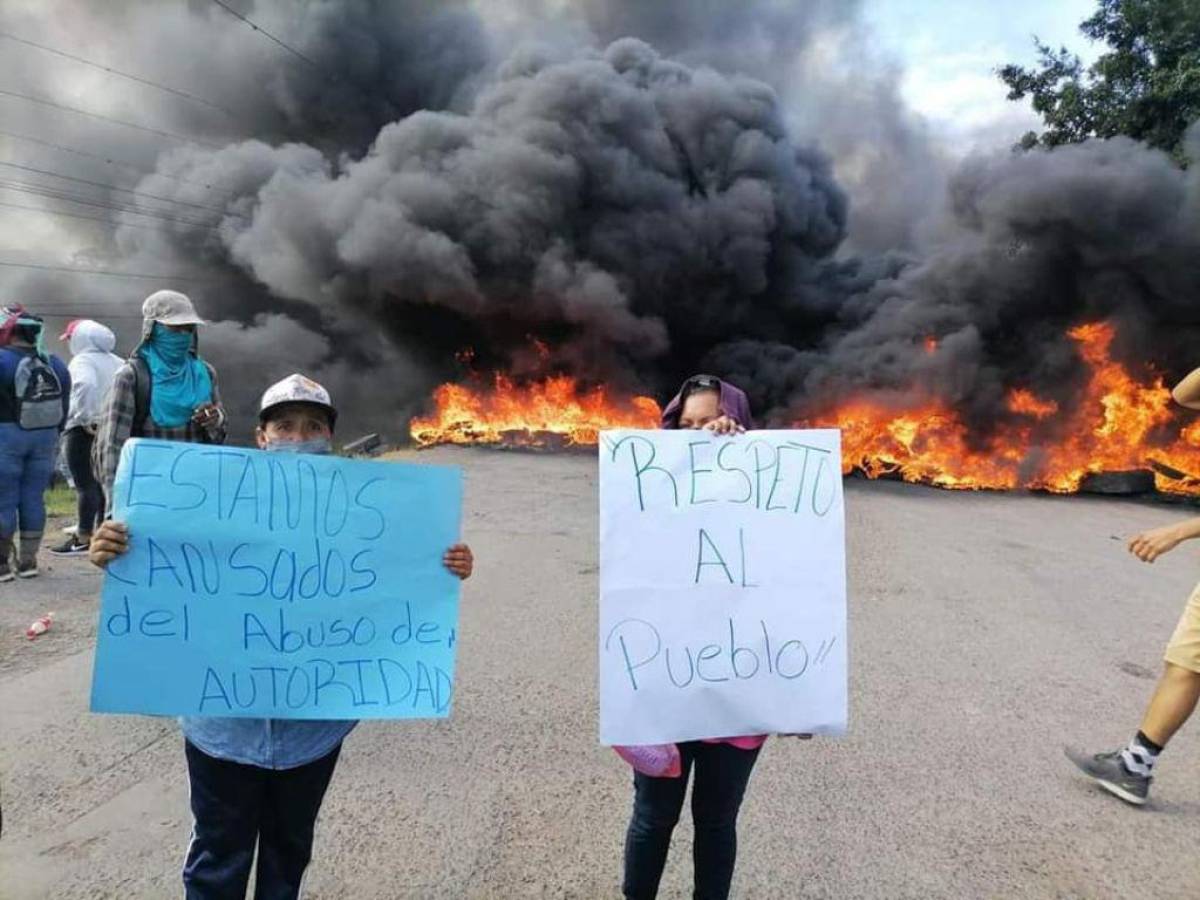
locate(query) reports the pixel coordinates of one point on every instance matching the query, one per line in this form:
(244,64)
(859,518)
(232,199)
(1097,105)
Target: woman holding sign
(261,781)
(722,765)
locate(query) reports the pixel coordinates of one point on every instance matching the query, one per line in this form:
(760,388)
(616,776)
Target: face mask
(320,446)
(173,345)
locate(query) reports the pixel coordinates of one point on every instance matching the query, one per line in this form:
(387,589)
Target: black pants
(90,496)
(722,772)
(235,806)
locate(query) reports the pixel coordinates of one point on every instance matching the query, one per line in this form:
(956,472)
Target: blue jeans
(722,772)
(26,464)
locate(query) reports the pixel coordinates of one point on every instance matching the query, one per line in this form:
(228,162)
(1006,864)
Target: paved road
(986,630)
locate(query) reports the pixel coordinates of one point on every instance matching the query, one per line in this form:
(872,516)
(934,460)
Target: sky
(949,52)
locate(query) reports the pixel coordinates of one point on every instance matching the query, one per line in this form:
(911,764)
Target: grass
(60,501)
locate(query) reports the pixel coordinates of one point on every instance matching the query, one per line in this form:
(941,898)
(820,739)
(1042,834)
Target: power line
(290,49)
(39,190)
(113,187)
(112,71)
(76,271)
(108,160)
(63,212)
(83,112)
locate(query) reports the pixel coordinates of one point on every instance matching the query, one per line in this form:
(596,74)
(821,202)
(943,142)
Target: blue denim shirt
(266,743)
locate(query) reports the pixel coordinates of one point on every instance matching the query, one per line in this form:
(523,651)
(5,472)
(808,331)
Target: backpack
(39,394)
(142,383)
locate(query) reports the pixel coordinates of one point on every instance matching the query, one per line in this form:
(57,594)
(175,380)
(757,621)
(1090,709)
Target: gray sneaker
(1107,770)
(6,572)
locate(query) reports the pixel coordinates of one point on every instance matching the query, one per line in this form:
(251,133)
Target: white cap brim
(180,319)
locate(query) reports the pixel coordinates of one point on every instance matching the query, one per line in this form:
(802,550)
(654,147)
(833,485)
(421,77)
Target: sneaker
(6,572)
(72,530)
(1107,770)
(27,570)
(70,547)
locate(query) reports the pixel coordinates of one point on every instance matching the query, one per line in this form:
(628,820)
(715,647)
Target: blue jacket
(266,743)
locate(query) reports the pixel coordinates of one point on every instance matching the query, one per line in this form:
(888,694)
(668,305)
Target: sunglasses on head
(702,381)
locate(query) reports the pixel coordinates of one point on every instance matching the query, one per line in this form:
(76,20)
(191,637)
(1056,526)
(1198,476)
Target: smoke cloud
(648,189)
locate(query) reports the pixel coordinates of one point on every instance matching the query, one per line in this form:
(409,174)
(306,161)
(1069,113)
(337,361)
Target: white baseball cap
(170,308)
(296,388)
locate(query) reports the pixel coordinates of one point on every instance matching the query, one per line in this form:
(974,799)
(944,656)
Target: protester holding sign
(93,365)
(722,765)
(164,391)
(35,389)
(262,781)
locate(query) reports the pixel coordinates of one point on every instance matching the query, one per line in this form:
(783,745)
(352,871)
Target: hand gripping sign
(722,585)
(278,585)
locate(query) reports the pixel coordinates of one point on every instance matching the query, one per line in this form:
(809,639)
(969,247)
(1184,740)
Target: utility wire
(111,71)
(290,49)
(73,215)
(113,187)
(39,190)
(83,112)
(108,160)
(77,271)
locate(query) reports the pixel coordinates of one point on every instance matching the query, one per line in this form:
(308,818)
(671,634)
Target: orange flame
(553,410)
(1118,424)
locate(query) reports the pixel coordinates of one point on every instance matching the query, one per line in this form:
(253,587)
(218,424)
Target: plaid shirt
(116,427)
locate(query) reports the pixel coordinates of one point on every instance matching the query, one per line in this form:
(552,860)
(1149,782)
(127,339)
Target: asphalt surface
(986,630)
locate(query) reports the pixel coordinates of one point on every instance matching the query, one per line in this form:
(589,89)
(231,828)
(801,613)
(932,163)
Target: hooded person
(164,391)
(722,765)
(93,366)
(35,389)
(260,782)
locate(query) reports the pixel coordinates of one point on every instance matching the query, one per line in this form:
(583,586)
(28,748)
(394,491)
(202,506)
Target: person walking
(1128,772)
(93,365)
(35,391)
(164,391)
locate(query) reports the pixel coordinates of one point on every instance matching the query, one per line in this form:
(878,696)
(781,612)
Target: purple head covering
(733,403)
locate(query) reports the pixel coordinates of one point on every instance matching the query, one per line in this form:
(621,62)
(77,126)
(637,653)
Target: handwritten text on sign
(722,585)
(278,585)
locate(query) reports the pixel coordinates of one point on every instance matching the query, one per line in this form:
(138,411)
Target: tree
(1147,86)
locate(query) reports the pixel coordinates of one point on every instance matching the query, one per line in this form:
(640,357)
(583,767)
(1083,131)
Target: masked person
(93,365)
(164,391)
(722,765)
(35,388)
(1128,772)
(261,781)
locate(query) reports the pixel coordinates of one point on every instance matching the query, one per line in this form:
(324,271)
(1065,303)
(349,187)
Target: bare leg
(1173,702)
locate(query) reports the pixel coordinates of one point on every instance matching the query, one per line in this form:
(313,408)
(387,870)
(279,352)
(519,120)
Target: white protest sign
(722,585)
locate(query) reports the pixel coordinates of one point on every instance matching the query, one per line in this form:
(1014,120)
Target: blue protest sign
(278,585)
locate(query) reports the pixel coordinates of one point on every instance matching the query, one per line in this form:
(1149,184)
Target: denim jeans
(722,772)
(26,464)
(89,494)
(236,806)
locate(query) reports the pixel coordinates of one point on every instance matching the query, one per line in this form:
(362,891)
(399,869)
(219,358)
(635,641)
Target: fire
(1118,425)
(552,411)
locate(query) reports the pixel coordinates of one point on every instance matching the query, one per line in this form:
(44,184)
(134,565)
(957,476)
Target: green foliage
(1147,86)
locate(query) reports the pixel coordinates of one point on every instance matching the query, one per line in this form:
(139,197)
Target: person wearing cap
(35,388)
(261,781)
(165,390)
(93,365)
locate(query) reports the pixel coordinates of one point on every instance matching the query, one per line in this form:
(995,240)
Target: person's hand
(724,425)
(1150,545)
(207,415)
(458,559)
(110,541)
